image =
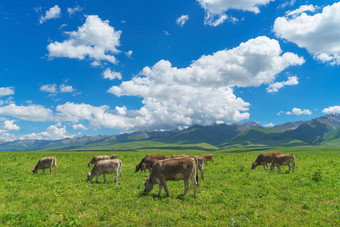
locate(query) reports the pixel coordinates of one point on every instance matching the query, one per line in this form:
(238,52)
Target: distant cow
(175,169)
(208,157)
(115,156)
(176,156)
(96,159)
(45,163)
(283,160)
(148,161)
(264,159)
(104,167)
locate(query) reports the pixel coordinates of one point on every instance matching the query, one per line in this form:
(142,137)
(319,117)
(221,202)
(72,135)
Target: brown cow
(115,156)
(104,167)
(208,157)
(283,160)
(148,161)
(45,163)
(264,159)
(176,156)
(96,159)
(175,169)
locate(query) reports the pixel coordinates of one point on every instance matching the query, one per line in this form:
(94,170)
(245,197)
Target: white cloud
(10,126)
(54,89)
(318,33)
(95,39)
(182,20)
(269,125)
(52,13)
(53,132)
(5,91)
(292,80)
(29,113)
(300,10)
(332,110)
(66,88)
(50,88)
(202,93)
(79,126)
(72,11)
(215,9)
(298,111)
(108,74)
(129,54)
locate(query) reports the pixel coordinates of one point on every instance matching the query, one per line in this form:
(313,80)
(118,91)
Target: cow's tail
(196,164)
(55,165)
(120,169)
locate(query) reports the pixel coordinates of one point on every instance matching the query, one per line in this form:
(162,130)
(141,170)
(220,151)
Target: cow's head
(34,171)
(114,156)
(89,176)
(148,186)
(137,168)
(89,164)
(253,165)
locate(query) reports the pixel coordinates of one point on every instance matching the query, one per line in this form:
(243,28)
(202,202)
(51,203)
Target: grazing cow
(96,159)
(176,156)
(208,157)
(175,169)
(283,160)
(264,159)
(148,161)
(104,167)
(45,163)
(115,156)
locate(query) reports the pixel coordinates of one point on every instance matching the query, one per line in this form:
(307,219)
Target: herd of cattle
(166,168)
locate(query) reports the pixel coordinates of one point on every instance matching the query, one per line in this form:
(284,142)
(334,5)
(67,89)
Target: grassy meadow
(231,195)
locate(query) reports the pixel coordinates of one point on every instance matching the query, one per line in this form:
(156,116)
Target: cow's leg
(186,186)
(279,168)
(43,170)
(289,166)
(50,169)
(293,166)
(165,187)
(104,176)
(116,176)
(194,184)
(202,174)
(97,177)
(160,189)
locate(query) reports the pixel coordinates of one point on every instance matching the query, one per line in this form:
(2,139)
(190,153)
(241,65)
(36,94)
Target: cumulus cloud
(318,33)
(300,10)
(72,11)
(52,13)
(129,54)
(29,113)
(95,39)
(182,20)
(298,111)
(108,74)
(50,88)
(5,91)
(53,132)
(79,126)
(10,126)
(202,93)
(215,9)
(332,110)
(292,80)
(54,89)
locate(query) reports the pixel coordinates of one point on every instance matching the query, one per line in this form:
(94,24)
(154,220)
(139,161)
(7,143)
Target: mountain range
(324,130)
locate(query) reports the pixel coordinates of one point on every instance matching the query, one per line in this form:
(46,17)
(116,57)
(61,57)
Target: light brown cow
(283,160)
(264,159)
(208,157)
(96,159)
(148,161)
(115,156)
(45,163)
(104,167)
(175,169)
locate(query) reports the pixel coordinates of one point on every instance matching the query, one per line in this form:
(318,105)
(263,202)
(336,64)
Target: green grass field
(231,195)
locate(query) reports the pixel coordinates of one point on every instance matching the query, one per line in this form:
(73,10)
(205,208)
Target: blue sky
(73,68)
